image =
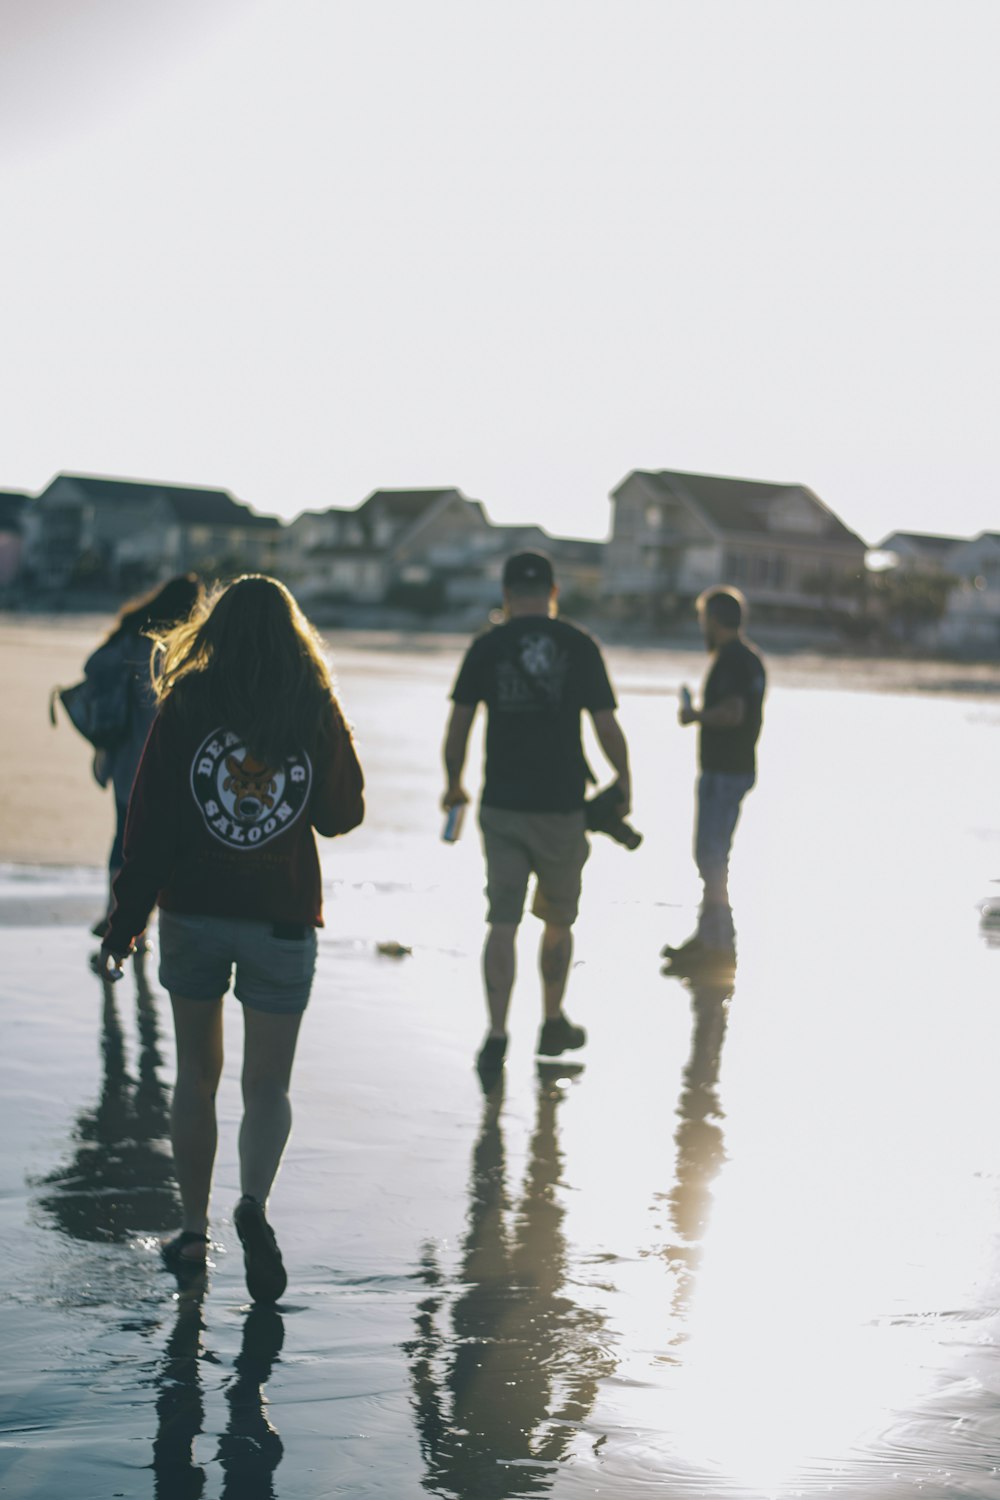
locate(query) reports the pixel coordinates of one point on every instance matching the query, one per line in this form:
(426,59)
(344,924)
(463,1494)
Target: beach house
(675,534)
(398,546)
(13,504)
(971,619)
(90,531)
(920,552)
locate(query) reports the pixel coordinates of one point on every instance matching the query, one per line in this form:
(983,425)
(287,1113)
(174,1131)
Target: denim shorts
(274,964)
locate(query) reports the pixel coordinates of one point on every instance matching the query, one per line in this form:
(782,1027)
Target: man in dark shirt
(730,720)
(535,674)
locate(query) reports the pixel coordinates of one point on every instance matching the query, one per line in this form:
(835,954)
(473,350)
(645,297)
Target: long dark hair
(247,659)
(165,605)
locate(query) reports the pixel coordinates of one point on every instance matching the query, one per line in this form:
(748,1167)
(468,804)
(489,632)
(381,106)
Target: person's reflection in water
(250,1449)
(119,1180)
(180,1404)
(699,1137)
(499,1400)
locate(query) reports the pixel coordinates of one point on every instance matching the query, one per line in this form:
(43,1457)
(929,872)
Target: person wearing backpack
(248,754)
(118,696)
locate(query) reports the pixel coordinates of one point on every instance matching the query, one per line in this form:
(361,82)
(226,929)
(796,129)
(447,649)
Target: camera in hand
(603,817)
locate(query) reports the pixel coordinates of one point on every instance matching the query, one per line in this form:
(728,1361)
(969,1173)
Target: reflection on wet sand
(119,1180)
(499,1398)
(250,1449)
(180,1404)
(699,1138)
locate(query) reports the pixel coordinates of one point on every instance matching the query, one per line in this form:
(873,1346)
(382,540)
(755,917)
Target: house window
(736,567)
(654,517)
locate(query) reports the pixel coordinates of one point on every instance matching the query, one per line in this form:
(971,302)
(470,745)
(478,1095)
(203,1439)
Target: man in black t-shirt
(730,720)
(535,674)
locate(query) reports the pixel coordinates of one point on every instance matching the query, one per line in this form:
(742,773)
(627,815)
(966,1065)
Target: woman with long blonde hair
(249,753)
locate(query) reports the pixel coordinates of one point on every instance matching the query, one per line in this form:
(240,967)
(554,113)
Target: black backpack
(98,707)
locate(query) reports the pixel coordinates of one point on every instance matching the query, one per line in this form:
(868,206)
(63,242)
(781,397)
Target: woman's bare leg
(193,1130)
(268,1054)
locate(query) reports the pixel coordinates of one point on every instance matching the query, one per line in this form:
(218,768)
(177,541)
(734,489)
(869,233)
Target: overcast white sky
(303,248)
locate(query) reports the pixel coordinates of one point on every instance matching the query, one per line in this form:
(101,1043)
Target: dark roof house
(148,528)
(749,507)
(675,534)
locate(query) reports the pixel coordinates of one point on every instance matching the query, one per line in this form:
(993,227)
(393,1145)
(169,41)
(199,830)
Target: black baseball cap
(528,567)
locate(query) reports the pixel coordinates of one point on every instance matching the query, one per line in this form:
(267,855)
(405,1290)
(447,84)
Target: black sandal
(183,1265)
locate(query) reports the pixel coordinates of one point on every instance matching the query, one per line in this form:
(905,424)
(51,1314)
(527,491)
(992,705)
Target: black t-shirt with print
(535,675)
(737,672)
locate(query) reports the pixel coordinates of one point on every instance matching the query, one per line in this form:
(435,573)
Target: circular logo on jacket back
(243,802)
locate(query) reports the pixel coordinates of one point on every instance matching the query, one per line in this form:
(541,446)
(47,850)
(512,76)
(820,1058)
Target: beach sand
(744,1245)
(56,814)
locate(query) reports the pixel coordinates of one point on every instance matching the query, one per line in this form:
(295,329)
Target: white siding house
(972,614)
(675,534)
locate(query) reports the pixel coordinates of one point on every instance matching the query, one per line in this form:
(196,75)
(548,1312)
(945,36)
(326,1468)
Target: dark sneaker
(490,1059)
(560,1035)
(265,1273)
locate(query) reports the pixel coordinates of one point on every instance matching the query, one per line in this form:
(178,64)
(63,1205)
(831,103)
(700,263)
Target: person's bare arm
(456,742)
(612,742)
(729,714)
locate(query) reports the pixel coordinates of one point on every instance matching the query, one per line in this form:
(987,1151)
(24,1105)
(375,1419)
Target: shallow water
(748,1244)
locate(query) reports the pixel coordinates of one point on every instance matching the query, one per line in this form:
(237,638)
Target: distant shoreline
(402,628)
(63,818)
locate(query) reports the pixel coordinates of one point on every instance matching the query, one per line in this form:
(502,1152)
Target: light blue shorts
(274,962)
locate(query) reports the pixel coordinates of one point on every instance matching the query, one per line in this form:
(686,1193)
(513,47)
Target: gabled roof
(189,504)
(12,507)
(329,510)
(530,536)
(921,541)
(739,505)
(403,508)
(405,505)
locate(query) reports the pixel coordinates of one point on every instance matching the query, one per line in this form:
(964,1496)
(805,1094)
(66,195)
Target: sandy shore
(59,815)
(744,1245)
(56,812)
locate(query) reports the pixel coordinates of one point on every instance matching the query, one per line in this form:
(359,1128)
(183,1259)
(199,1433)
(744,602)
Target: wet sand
(748,1244)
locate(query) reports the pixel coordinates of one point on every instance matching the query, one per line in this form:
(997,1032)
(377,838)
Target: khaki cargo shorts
(553,846)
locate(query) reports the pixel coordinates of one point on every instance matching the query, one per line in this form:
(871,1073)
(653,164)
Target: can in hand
(685,697)
(453,823)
